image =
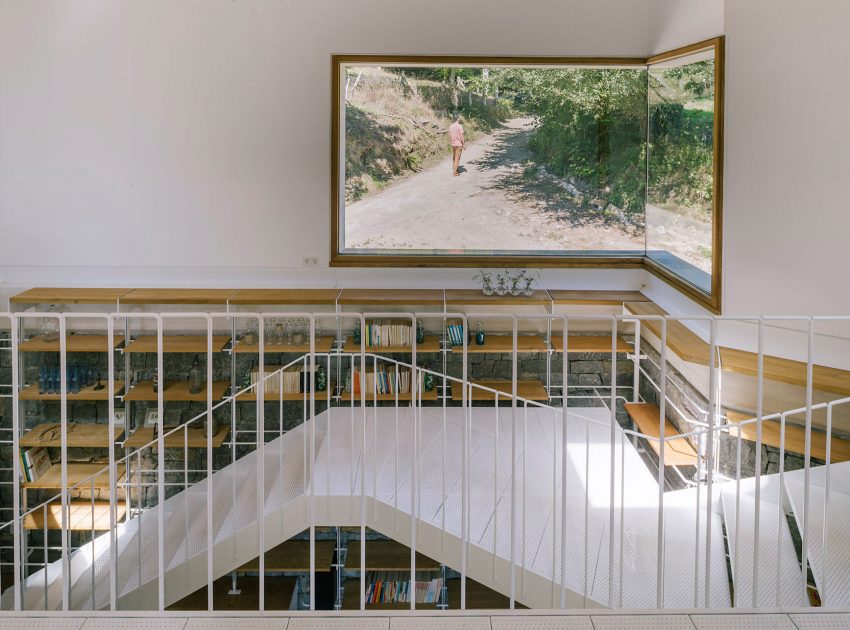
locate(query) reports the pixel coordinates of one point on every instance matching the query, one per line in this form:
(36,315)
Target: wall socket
(310,261)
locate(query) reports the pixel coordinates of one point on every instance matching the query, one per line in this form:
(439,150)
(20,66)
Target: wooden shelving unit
(290,397)
(293,556)
(505,343)
(270,297)
(476,297)
(195,437)
(589,343)
(77,472)
(386,555)
(323,344)
(48,295)
(85,435)
(82,516)
(30,392)
(391,297)
(429,346)
(432,395)
(178,296)
(73,343)
(175,391)
(530,390)
(196,344)
(596,298)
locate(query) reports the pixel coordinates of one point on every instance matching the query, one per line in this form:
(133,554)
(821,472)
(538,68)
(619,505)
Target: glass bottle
(290,333)
(155,381)
(250,336)
(298,332)
(50,327)
(479,334)
(196,377)
(487,284)
(43,379)
(501,284)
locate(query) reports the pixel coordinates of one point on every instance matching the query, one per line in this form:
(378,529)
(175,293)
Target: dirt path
(495,204)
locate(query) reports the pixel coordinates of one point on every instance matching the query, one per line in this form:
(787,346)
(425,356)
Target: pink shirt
(456,134)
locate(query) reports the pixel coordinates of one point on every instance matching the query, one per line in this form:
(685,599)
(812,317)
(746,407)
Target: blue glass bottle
(73,381)
(43,376)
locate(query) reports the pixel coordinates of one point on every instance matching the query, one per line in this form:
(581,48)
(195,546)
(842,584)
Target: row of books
(294,380)
(385,334)
(34,463)
(395,588)
(455,334)
(384,381)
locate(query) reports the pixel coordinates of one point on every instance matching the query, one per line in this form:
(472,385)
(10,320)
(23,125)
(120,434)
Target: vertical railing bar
(524,488)
(697,524)
(91,542)
(44,557)
(496,488)
(824,563)
(63,414)
(260,437)
(622,511)
(613,443)
(464,527)
(362,462)
(780,508)
(662,443)
(395,456)
(414,507)
(586,509)
(139,524)
(564,416)
(160,473)
(554,510)
(514,367)
(758,464)
(209,449)
(710,446)
(807,463)
(113,471)
(735,556)
(311,377)
(17,530)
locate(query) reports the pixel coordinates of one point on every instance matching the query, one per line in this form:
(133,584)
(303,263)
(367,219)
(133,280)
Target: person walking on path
(457,141)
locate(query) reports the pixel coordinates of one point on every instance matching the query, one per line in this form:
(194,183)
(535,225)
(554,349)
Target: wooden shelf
(323,344)
(596,298)
(397,297)
(178,296)
(189,344)
(194,437)
(77,472)
(294,556)
(589,343)
(45,295)
(432,395)
(274,397)
(690,347)
(82,516)
(476,297)
(284,296)
(429,346)
(30,392)
(73,343)
(677,452)
(530,390)
(504,343)
(175,391)
(795,437)
(87,435)
(386,555)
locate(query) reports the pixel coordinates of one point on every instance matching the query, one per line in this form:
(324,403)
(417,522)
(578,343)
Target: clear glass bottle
(196,377)
(50,327)
(479,334)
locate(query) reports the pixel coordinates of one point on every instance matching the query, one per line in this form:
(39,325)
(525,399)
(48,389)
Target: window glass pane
(550,160)
(680,199)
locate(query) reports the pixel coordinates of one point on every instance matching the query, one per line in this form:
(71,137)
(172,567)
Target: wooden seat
(795,437)
(678,451)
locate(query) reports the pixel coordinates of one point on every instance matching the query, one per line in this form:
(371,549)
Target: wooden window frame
(711,301)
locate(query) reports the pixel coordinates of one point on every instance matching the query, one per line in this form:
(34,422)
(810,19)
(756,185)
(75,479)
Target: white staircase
(400,490)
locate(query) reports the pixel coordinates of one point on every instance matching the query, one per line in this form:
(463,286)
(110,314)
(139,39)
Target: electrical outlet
(310,261)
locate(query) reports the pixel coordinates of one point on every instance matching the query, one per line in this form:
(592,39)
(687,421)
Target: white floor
(519,620)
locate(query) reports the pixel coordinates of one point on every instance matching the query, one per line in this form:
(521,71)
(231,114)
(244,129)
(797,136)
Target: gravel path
(493,205)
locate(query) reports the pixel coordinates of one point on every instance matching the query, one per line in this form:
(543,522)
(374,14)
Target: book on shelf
(388,333)
(384,381)
(394,587)
(454,332)
(294,380)
(34,463)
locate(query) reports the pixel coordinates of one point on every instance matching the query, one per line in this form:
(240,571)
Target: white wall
(787,216)
(677,23)
(187,141)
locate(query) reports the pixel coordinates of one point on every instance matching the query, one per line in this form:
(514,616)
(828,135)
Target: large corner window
(682,217)
(529,161)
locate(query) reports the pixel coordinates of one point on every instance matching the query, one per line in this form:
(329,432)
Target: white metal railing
(603,579)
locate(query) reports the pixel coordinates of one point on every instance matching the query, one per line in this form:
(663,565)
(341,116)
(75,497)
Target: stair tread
(795,437)
(678,451)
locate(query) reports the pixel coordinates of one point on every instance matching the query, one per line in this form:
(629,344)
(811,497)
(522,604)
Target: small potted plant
(486,280)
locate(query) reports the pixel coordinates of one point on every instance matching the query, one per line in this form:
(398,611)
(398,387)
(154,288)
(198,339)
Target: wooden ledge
(178,296)
(46,295)
(395,297)
(267,297)
(596,298)
(475,297)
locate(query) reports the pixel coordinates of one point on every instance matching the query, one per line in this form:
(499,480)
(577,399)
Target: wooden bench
(678,451)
